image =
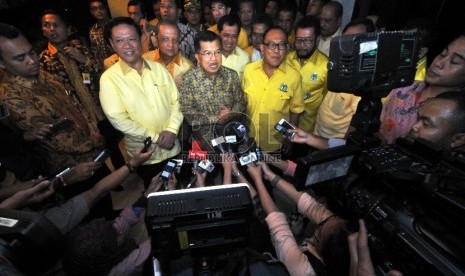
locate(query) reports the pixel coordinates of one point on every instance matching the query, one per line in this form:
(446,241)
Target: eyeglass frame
(208,54)
(272,46)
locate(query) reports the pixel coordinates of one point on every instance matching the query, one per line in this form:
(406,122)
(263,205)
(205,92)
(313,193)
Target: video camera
(410,194)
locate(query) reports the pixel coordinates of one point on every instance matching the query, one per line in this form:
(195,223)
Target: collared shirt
(242,39)
(237,60)
(314,77)
(324,43)
(80,79)
(99,47)
(271,99)
(178,66)
(110,61)
(202,99)
(400,111)
(141,105)
(335,114)
(43,99)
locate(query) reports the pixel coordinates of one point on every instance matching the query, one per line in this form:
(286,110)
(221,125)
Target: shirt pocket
(279,101)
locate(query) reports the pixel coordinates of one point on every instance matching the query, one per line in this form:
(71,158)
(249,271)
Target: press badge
(86,78)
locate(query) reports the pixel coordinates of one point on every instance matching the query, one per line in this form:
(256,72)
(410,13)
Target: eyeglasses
(307,41)
(209,55)
(272,45)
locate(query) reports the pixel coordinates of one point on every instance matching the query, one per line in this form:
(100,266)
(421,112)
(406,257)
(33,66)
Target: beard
(304,54)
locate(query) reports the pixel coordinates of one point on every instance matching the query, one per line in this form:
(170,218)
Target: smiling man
(233,57)
(140,98)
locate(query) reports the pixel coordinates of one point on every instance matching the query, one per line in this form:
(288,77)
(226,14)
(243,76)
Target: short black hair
(229,20)
(10,32)
(338,8)
(104,2)
(288,6)
(138,3)
(166,22)
(205,36)
(60,14)
(263,19)
(369,26)
(224,2)
(275,28)
(458,97)
(309,21)
(425,28)
(120,21)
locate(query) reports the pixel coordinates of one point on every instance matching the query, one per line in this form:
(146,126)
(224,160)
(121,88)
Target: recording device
(147,144)
(206,165)
(252,155)
(284,128)
(168,170)
(55,180)
(372,64)
(198,222)
(61,124)
(102,156)
(29,241)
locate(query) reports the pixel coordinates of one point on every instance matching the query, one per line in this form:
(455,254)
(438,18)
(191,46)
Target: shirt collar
(125,68)
(52,49)
(176,60)
(282,67)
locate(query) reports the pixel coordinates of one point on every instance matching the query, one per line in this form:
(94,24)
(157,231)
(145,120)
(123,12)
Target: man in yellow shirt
(168,49)
(337,109)
(286,18)
(233,57)
(221,8)
(273,91)
(312,65)
(140,99)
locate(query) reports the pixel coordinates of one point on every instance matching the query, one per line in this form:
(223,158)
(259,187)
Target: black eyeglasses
(272,45)
(306,41)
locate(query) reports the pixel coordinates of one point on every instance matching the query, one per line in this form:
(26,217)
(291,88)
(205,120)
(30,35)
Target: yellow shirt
(314,74)
(141,105)
(176,68)
(269,100)
(242,40)
(334,115)
(420,74)
(237,60)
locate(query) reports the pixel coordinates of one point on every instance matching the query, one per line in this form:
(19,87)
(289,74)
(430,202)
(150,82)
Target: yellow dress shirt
(242,40)
(314,77)
(141,105)
(176,68)
(334,115)
(237,61)
(269,100)
(420,74)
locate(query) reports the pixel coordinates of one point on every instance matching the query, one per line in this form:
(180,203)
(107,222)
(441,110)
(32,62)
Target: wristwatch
(130,167)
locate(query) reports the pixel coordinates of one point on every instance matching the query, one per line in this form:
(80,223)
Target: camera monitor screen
(373,63)
(324,166)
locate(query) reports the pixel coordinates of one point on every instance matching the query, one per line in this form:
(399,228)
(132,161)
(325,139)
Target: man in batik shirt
(100,48)
(210,94)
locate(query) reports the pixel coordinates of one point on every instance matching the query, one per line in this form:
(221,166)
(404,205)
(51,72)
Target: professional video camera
(410,194)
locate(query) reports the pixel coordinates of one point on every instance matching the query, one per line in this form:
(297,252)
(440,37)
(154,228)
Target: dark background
(446,15)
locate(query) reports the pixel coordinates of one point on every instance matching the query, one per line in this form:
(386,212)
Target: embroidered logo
(314,77)
(283,87)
